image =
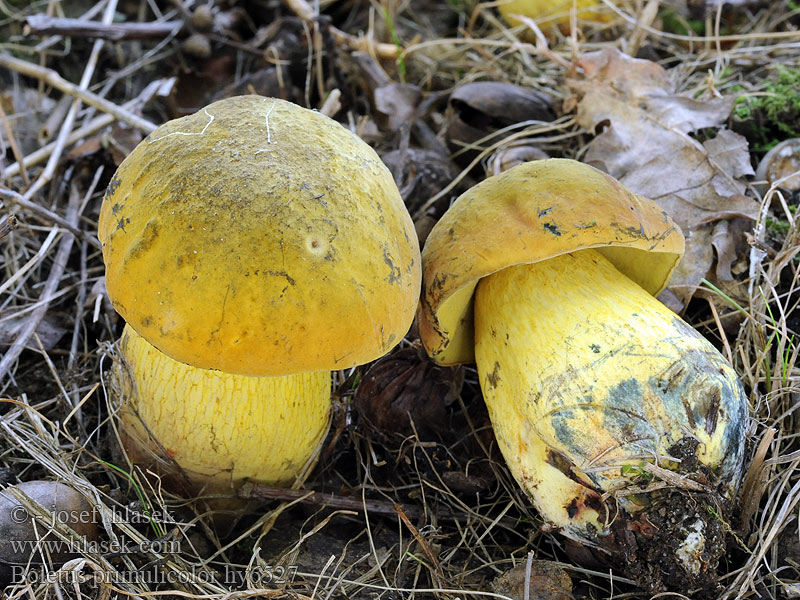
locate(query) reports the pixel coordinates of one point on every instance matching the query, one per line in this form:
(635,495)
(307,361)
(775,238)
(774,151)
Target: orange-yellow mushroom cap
(527,214)
(260,238)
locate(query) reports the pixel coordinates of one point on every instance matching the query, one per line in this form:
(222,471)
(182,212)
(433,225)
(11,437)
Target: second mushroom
(606,406)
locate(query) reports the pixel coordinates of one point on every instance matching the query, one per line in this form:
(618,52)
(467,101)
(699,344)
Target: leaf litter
(643,139)
(390,513)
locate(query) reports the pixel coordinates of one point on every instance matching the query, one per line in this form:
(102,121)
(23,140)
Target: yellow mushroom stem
(587,377)
(220,429)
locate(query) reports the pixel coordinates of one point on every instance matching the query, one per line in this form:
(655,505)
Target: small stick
(45,25)
(8,225)
(49,215)
(48,291)
(674,479)
(303,10)
(378,507)
(13,143)
(437,567)
(54,39)
(51,77)
(160,87)
(256,490)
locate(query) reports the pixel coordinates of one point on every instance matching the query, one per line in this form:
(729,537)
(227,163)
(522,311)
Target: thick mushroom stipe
(257,428)
(587,377)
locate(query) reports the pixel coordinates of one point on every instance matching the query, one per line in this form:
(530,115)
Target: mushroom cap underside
(260,238)
(527,214)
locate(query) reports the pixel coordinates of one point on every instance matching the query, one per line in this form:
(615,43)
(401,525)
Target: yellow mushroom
(555,12)
(251,247)
(545,276)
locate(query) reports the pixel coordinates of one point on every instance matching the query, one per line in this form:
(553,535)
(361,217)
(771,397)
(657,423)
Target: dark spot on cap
(572,508)
(552,228)
(494,377)
(112,187)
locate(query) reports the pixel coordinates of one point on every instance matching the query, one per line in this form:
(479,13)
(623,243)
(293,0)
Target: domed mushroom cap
(260,238)
(527,214)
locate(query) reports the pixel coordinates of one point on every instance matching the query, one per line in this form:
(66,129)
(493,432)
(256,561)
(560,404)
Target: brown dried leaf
(729,151)
(482,107)
(645,143)
(398,102)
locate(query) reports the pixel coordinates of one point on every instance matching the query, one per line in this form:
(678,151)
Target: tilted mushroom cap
(260,238)
(527,214)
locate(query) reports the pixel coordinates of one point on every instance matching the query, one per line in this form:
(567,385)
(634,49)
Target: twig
(378,507)
(44,25)
(13,143)
(51,77)
(303,10)
(49,215)
(54,39)
(50,286)
(8,225)
(61,141)
(437,567)
(160,87)
(256,490)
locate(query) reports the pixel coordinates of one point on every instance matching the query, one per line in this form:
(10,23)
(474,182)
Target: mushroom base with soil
(212,430)
(591,384)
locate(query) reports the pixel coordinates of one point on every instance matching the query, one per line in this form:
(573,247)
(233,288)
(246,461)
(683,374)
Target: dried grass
(56,422)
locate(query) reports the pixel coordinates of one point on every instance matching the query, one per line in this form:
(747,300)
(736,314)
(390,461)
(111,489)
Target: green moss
(777,227)
(775,115)
(674,23)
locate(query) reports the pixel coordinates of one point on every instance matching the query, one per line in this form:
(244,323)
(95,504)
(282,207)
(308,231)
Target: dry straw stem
(51,77)
(13,143)
(48,215)
(50,286)
(715,39)
(303,10)
(7,225)
(44,24)
(159,87)
(69,119)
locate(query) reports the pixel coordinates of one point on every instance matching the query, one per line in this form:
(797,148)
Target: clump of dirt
(685,546)
(676,541)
